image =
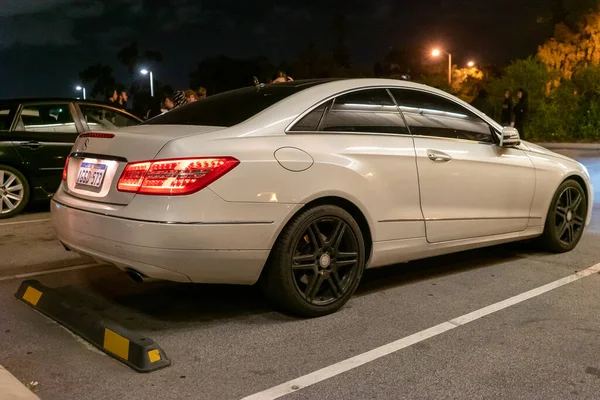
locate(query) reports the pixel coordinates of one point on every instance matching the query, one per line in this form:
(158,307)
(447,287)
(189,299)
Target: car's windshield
(230,108)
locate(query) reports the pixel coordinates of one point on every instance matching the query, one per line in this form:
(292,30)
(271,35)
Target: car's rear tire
(317,262)
(14,191)
(565,222)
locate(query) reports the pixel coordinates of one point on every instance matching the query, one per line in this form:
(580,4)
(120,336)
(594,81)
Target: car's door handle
(438,156)
(32,145)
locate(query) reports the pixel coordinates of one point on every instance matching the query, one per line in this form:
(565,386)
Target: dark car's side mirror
(509,137)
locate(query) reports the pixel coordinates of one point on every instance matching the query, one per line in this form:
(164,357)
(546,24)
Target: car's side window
(364,111)
(104,118)
(310,122)
(6,118)
(430,115)
(46,118)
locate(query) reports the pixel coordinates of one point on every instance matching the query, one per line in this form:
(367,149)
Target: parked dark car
(36,136)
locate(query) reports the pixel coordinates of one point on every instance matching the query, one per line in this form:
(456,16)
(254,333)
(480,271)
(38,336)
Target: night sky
(45,43)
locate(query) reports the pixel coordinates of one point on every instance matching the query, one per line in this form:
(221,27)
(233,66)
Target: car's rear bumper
(233,253)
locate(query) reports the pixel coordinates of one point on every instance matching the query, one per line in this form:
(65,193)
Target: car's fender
(551,171)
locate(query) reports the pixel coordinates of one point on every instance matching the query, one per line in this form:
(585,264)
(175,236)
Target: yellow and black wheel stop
(138,352)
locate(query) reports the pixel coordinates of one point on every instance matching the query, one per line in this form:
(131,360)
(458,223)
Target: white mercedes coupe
(300,186)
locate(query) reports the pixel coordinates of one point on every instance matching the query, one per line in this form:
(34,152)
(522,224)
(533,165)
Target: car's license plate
(91,175)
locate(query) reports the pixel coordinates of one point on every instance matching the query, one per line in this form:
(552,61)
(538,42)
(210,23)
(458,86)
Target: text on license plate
(91,174)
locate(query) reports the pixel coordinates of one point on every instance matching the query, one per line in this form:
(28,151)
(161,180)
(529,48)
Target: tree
(340,52)
(572,48)
(466,83)
(100,77)
(132,58)
(378,70)
(311,63)
(587,81)
(397,63)
(529,74)
(570,11)
(219,74)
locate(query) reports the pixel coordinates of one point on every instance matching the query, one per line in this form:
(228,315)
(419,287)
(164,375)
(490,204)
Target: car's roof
(308,82)
(325,88)
(291,107)
(351,83)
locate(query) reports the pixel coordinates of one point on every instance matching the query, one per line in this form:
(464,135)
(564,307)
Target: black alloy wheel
(325,261)
(566,218)
(570,216)
(317,262)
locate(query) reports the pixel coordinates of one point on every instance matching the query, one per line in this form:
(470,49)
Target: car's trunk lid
(98,158)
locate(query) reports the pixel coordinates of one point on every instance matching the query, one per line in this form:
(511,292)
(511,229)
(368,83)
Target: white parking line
(361,359)
(33,221)
(49,271)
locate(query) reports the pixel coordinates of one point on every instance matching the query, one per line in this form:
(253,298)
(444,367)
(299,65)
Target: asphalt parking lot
(399,337)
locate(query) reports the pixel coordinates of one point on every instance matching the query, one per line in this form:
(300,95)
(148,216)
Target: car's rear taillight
(174,177)
(97,135)
(65,169)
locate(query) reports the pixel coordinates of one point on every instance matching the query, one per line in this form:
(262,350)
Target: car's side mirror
(509,137)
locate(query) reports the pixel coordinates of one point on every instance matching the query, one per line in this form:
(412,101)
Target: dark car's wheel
(14,191)
(566,218)
(316,263)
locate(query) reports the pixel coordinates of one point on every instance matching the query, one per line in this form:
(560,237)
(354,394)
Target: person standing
(201,93)
(112,97)
(483,103)
(521,112)
(122,102)
(167,104)
(506,117)
(190,96)
(179,99)
(281,77)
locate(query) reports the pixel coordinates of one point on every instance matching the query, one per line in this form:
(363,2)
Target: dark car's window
(104,118)
(365,111)
(229,108)
(6,118)
(310,122)
(431,115)
(46,118)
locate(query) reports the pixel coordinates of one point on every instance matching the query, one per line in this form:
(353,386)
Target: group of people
(512,114)
(515,114)
(181,98)
(117,97)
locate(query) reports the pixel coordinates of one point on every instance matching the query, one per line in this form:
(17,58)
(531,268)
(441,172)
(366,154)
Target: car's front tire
(317,262)
(565,222)
(14,191)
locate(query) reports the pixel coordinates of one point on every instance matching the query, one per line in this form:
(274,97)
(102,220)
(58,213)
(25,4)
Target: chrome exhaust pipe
(138,277)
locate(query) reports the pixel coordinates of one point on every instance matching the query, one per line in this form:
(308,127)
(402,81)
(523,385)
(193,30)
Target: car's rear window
(230,108)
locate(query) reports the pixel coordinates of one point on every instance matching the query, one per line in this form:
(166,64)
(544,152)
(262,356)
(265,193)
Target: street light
(146,72)
(471,64)
(81,88)
(437,53)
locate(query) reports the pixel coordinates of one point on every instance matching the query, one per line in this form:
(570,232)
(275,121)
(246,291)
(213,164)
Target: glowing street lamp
(146,72)
(471,64)
(81,88)
(437,53)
